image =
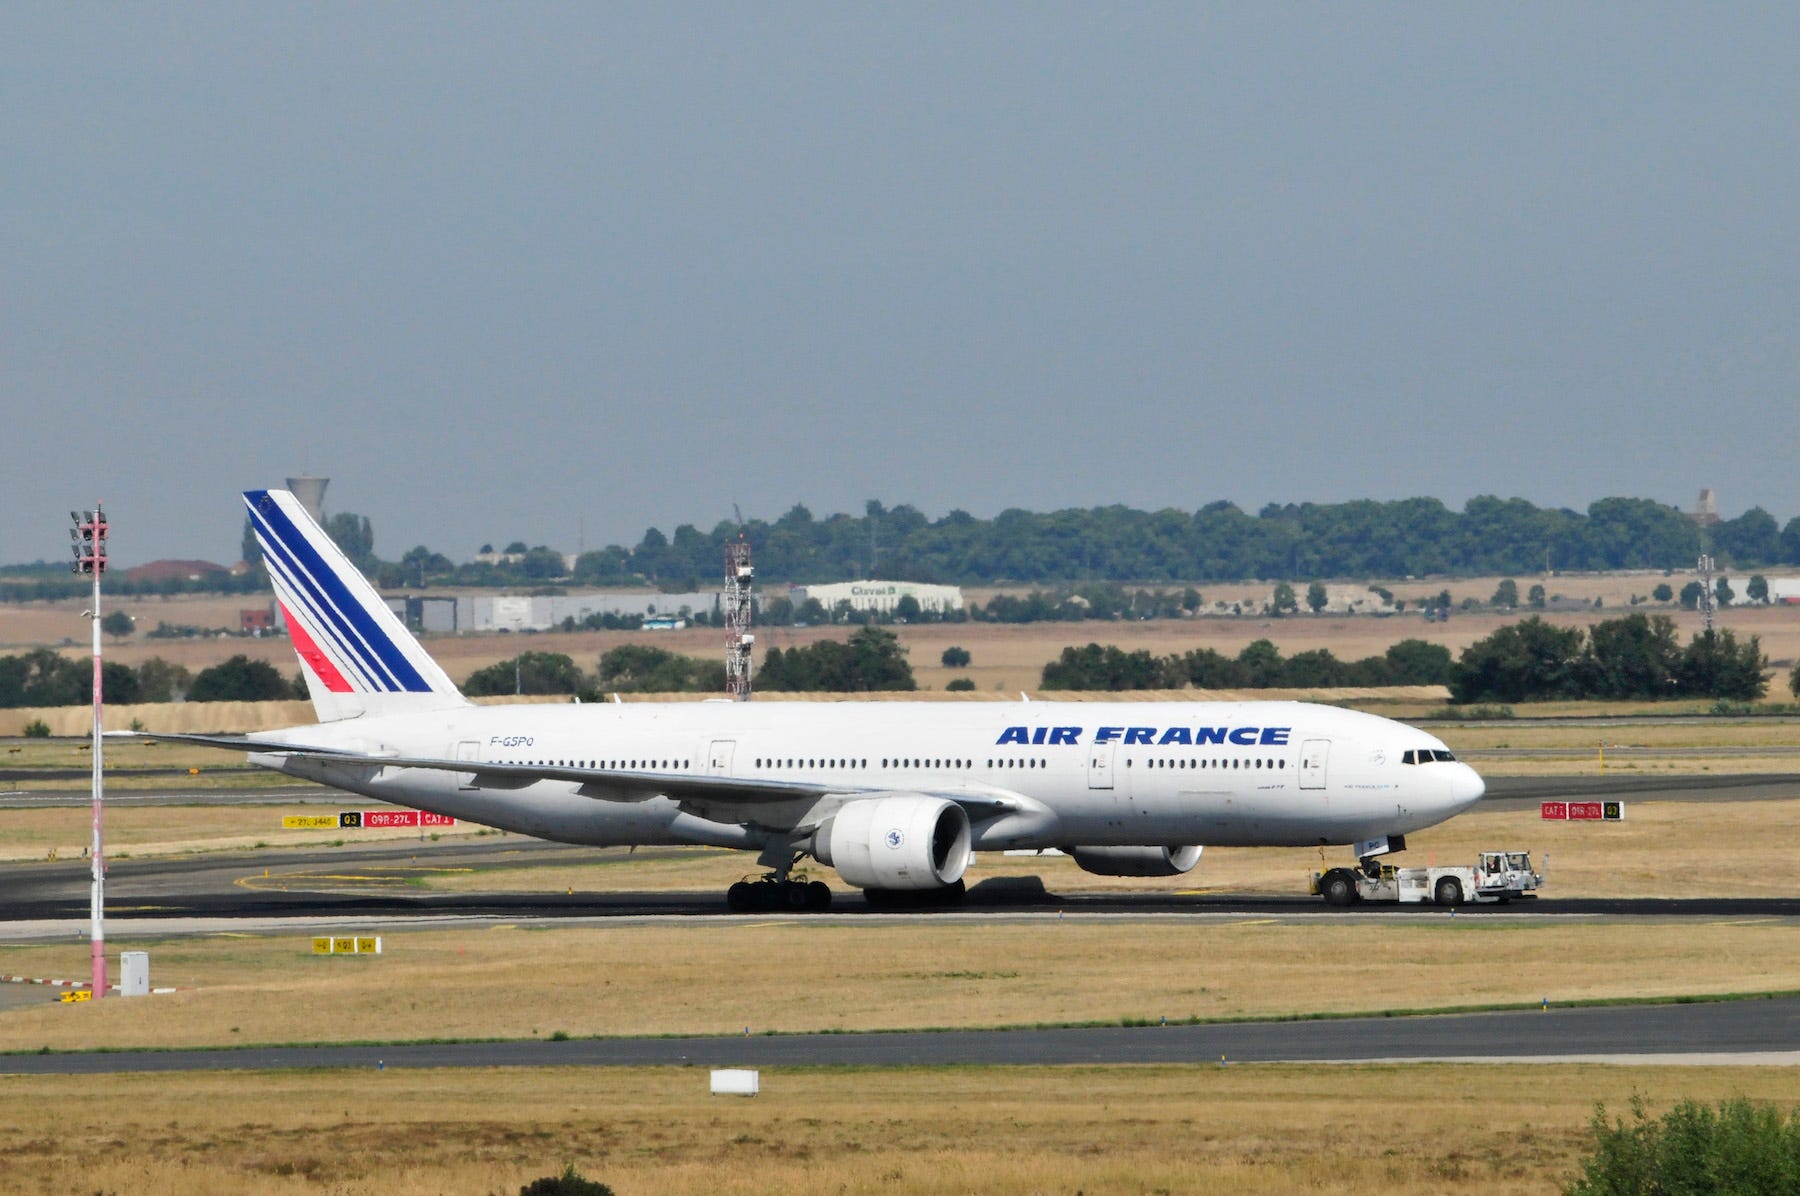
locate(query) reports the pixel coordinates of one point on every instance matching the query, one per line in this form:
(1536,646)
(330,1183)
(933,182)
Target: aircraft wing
(605,784)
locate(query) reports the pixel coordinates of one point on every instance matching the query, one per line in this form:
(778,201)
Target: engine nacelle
(1135,861)
(896,842)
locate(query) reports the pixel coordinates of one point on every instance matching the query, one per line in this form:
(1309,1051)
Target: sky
(561,272)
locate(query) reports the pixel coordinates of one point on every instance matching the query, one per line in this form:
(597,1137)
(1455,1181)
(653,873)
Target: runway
(1765,1032)
(374,880)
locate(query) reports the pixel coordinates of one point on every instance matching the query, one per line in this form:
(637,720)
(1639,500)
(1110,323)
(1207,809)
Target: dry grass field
(1502,1131)
(844,974)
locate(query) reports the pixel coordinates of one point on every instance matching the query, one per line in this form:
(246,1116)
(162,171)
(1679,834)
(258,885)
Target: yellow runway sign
(347,945)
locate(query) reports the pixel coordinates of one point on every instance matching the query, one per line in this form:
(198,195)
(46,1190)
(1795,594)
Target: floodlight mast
(89,548)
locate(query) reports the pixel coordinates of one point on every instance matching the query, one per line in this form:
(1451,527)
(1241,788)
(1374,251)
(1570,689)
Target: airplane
(894,796)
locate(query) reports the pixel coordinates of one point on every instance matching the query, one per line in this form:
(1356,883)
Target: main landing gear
(778,894)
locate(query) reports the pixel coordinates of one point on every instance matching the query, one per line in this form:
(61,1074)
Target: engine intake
(896,842)
(1136,861)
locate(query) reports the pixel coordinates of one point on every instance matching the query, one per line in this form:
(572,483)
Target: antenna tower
(1706,592)
(738,640)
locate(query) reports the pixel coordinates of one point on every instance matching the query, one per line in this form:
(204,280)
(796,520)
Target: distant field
(1007,658)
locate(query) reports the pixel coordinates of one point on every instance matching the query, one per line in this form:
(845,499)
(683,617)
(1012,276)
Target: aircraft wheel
(1338,888)
(818,896)
(740,898)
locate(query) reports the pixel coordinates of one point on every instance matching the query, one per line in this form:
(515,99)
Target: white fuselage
(1189,773)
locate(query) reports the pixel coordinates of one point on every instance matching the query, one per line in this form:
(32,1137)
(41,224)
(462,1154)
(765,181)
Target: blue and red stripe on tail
(357,657)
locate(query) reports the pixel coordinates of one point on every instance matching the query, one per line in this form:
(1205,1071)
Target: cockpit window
(1443,755)
(1426,756)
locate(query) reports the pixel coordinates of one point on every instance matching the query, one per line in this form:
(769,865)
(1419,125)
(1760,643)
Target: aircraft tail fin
(356,655)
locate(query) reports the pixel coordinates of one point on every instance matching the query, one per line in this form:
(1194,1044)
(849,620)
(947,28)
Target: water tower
(311,493)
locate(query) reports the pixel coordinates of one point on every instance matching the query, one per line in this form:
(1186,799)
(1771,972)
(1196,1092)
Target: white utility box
(134,973)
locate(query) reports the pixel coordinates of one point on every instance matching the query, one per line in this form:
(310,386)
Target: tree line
(1634,657)
(1260,665)
(1217,542)
(42,677)
(1637,656)
(871,660)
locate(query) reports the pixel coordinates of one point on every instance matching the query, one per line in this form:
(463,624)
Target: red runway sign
(1582,811)
(391,818)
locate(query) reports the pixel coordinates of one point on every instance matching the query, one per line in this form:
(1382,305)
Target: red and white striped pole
(89,535)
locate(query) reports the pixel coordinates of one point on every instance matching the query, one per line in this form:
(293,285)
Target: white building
(1784,590)
(881,596)
(540,612)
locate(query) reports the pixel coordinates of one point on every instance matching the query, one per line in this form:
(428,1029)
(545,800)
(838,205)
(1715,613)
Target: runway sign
(390,818)
(1583,811)
(347,945)
(310,822)
(364,819)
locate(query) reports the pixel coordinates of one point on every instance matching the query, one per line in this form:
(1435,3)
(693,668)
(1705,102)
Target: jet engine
(1135,861)
(896,842)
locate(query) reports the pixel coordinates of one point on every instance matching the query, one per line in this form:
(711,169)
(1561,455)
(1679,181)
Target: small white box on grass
(735,1081)
(134,973)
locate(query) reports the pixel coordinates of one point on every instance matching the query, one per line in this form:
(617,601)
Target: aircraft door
(1100,765)
(718,757)
(1313,754)
(468,749)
